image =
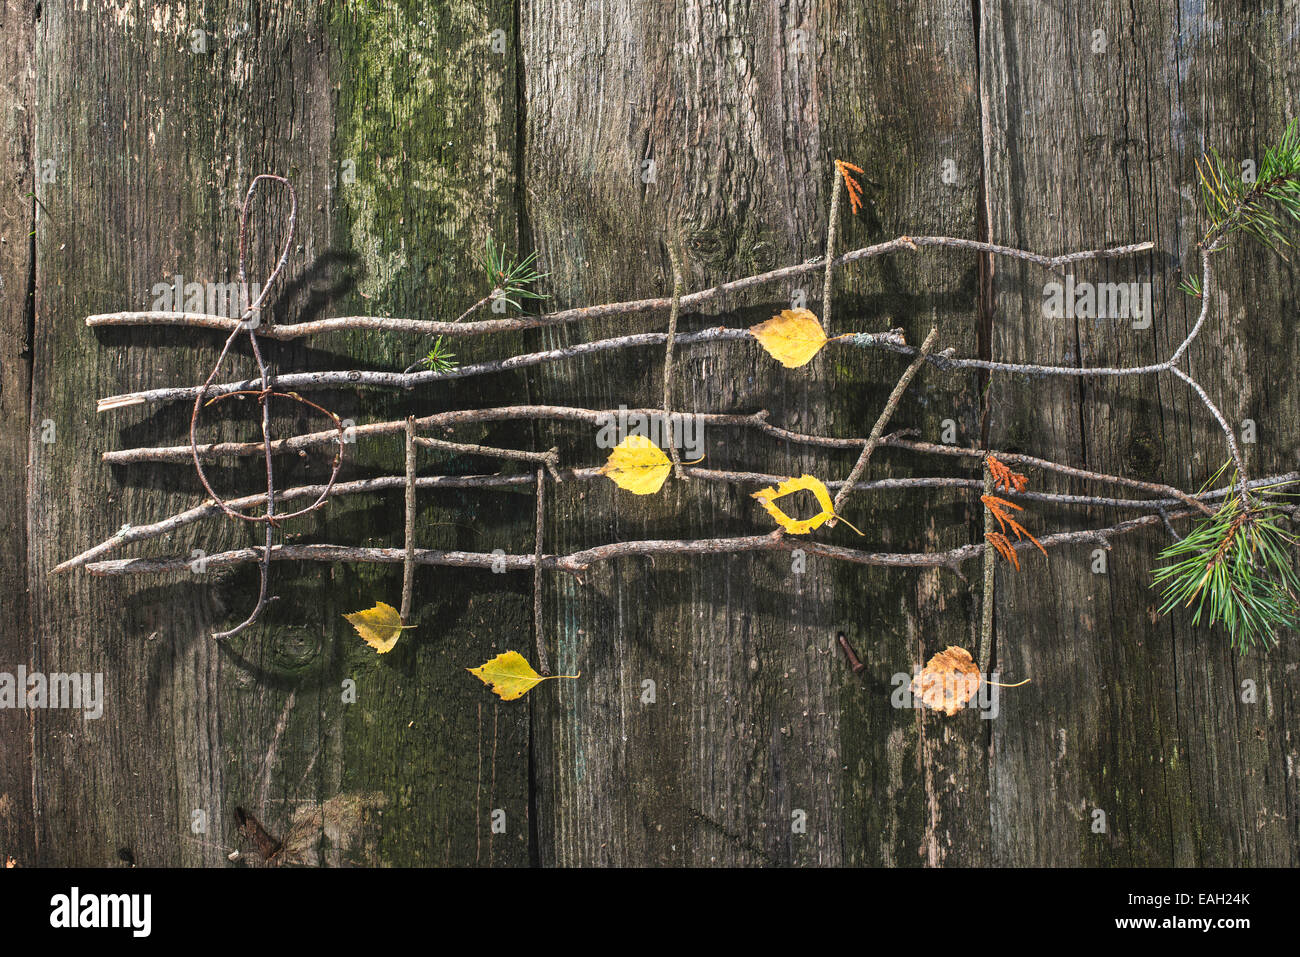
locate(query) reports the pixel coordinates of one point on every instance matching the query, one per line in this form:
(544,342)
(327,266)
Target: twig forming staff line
(577,562)
(138,533)
(425,327)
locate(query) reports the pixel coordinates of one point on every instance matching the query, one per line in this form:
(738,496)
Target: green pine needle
(1236,568)
(508,279)
(1263,208)
(439,358)
(1191,286)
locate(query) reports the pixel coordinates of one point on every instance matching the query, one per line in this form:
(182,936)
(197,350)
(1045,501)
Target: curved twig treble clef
(249,322)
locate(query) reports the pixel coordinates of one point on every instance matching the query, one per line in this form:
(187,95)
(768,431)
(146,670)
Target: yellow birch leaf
(510,675)
(380,626)
(638,465)
(949,680)
(767,496)
(792,338)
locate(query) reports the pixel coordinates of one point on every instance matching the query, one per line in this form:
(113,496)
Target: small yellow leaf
(792,338)
(638,465)
(766,496)
(949,680)
(510,676)
(380,626)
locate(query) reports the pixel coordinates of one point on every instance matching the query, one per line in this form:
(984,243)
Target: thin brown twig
(669,339)
(579,561)
(878,429)
(408,568)
(249,325)
(828,283)
(424,327)
(990,573)
(539,633)
(550,458)
(129,534)
(897,440)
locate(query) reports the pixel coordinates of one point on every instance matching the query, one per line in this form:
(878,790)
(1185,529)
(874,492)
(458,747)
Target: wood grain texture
(716,712)
(17,272)
(1092,138)
(156,143)
(741,108)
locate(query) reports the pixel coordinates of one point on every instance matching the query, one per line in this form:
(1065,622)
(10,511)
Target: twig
(448,420)
(549,458)
(1015,458)
(837,187)
(539,633)
(424,327)
(264,397)
(408,569)
(669,339)
(129,534)
(878,429)
(990,573)
(578,562)
(756,420)
(348,379)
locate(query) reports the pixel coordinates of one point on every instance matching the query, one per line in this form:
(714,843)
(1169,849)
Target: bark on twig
(425,327)
(878,429)
(579,561)
(408,570)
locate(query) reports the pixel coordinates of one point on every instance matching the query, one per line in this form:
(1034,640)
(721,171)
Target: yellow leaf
(380,626)
(949,680)
(766,496)
(792,338)
(510,675)
(638,465)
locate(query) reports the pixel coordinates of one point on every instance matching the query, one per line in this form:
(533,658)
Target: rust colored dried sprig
(1004,547)
(1003,477)
(997,507)
(854,189)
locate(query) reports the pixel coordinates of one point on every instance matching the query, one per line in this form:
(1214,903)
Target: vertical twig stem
(543,665)
(831,229)
(408,567)
(990,571)
(675,258)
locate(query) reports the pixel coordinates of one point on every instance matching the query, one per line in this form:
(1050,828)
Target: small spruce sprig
(439,358)
(1236,568)
(509,281)
(1260,208)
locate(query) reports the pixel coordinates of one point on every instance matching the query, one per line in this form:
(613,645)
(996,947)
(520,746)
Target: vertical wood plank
(1098,113)
(156,139)
(17,265)
(756,721)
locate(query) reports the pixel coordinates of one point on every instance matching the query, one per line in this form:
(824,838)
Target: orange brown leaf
(948,681)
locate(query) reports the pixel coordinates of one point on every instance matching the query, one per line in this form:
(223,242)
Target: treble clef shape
(249,321)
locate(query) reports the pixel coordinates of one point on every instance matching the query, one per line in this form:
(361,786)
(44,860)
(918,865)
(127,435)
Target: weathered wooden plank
(17,23)
(157,131)
(1096,115)
(756,719)
(427,112)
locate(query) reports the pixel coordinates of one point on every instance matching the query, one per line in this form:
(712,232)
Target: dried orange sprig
(996,507)
(855,191)
(1004,547)
(1003,476)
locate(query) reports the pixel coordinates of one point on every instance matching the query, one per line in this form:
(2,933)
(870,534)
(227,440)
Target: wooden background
(123,156)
